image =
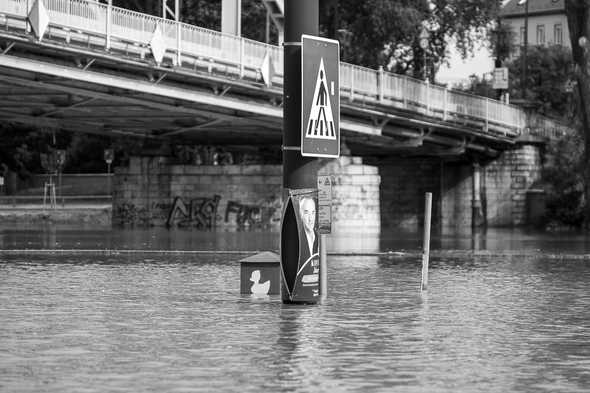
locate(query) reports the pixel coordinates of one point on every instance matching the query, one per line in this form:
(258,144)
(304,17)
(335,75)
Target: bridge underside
(55,85)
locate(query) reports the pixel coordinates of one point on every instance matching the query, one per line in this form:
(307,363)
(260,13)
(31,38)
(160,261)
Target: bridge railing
(197,48)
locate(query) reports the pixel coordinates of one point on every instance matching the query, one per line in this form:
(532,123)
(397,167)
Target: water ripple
(176,323)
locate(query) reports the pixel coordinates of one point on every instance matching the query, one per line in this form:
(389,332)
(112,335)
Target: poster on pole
(300,248)
(320,97)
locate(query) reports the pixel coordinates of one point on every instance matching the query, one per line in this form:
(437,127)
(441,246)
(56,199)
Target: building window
(558,34)
(540,34)
(522,36)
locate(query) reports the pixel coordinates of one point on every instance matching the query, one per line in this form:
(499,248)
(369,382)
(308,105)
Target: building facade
(547,22)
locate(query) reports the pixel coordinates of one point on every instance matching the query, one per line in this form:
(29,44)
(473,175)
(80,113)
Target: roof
(536,7)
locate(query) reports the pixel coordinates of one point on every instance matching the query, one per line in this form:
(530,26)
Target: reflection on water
(65,237)
(157,322)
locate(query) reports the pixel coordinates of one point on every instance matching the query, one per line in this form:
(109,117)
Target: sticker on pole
(325,204)
(320,97)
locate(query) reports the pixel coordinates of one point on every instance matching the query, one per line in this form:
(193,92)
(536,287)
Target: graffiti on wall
(248,216)
(199,212)
(202,213)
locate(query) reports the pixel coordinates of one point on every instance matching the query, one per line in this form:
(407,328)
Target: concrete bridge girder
(223,109)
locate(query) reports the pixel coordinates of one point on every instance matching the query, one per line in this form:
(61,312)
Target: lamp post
(345,37)
(473,80)
(109,156)
(61,160)
(524,48)
(424,37)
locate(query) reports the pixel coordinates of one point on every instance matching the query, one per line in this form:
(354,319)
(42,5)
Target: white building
(547,22)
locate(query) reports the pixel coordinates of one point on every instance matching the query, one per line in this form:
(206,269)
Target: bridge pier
(466,195)
(507,181)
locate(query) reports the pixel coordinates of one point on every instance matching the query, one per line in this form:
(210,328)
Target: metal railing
(189,46)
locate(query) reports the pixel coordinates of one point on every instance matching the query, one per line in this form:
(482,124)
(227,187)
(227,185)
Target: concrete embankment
(99,214)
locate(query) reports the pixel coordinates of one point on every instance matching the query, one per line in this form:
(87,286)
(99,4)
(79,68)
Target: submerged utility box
(260,274)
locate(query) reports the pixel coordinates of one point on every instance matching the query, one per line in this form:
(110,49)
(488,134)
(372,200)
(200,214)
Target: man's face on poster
(307,209)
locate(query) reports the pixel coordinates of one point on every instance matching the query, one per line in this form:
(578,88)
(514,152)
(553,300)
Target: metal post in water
(426,251)
(323,268)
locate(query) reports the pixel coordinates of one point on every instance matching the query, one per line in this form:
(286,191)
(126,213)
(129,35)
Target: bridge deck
(94,70)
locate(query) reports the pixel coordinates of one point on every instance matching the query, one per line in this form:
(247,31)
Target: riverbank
(93,214)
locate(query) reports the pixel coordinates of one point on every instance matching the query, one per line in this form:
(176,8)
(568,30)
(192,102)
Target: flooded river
(506,312)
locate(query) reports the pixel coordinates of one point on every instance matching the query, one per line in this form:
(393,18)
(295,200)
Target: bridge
(90,67)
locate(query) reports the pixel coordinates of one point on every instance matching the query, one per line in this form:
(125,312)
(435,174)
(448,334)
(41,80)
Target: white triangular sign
(158,44)
(321,121)
(39,18)
(267,70)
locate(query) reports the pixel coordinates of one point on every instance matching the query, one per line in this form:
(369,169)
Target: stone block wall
(507,180)
(151,191)
(356,204)
(209,197)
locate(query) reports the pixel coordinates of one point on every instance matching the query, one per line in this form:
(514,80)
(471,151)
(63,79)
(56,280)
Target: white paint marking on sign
(321,122)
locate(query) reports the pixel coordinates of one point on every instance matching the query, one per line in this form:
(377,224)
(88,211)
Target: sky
(459,70)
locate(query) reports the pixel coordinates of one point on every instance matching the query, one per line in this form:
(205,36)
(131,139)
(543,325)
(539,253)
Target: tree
(578,19)
(550,70)
(373,33)
(563,181)
(207,14)
(368,28)
(386,32)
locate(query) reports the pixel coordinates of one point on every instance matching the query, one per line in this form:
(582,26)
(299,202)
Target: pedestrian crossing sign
(320,97)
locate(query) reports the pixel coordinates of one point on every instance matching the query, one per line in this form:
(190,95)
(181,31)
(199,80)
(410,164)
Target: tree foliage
(372,33)
(563,178)
(386,32)
(207,14)
(549,74)
(578,19)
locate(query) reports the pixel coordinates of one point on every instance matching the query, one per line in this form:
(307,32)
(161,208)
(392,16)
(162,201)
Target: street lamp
(345,37)
(109,156)
(525,45)
(473,80)
(424,38)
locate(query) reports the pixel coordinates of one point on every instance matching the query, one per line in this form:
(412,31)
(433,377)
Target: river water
(505,311)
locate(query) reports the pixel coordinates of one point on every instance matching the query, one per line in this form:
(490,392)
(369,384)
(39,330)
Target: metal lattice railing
(186,44)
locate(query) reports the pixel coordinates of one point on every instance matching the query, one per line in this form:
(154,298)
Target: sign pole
(301,17)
